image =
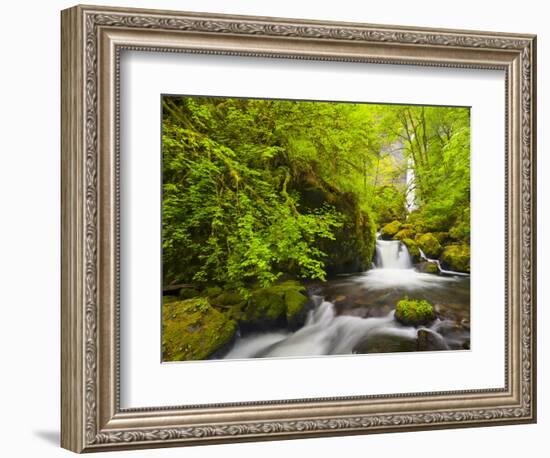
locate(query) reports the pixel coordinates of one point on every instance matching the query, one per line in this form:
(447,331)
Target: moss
(456,257)
(412,312)
(228,298)
(266,304)
(390,229)
(429,244)
(427,267)
(441,237)
(282,303)
(193,330)
(431,268)
(352,247)
(213,291)
(412,247)
(295,302)
(405,234)
(188,293)
(167,299)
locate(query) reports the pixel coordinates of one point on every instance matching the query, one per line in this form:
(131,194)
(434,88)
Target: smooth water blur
(350,310)
(406,279)
(323,334)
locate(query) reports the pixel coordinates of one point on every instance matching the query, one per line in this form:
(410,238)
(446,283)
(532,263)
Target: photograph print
(298,228)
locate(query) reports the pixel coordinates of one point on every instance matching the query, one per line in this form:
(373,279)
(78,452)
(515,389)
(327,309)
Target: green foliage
(437,141)
(411,312)
(254,190)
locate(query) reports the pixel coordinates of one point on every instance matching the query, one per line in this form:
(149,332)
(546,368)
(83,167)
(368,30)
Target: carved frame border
(92,39)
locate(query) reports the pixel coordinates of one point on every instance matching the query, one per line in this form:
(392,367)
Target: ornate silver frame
(92,39)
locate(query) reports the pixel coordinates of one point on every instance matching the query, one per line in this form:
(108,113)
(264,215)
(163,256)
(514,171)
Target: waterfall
(410,201)
(392,254)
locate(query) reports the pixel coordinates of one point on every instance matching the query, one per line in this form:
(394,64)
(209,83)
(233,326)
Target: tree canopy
(255,190)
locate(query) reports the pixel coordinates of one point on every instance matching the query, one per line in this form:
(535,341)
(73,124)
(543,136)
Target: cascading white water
(323,334)
(392,254)
(410,201)
(326,333)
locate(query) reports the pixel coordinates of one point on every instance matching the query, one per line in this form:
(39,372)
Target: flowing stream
(355,313)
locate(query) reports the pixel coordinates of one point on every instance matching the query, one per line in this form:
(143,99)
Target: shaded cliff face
(353,246)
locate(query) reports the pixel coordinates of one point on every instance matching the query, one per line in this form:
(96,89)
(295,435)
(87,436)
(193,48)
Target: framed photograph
(278,228)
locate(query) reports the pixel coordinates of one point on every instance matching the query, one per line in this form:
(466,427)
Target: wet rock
(427,267)
(430,341)
(385,343)
(281,305)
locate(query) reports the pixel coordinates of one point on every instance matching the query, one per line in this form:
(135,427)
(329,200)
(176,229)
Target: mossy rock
(429,244)
(295,306)
(412,247)
(456,257)
(405,234)
(432,268)
(193,330)
(411,312)
(428,268)
(281,305)
(390,229)
(213,291)
(228,298)
(441,237)
(188,293)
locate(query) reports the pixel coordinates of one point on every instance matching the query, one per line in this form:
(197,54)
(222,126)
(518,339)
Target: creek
(355,313)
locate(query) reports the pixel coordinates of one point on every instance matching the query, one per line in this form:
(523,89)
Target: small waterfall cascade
(438,264)
(392,254)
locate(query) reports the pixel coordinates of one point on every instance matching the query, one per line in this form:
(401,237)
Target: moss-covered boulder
(411,312)
(188,293)
(390,229)
(412,247)
(405,234)
(228,298)
(428,267)
(194,330)
(429,244)
(281,305)
(456,257)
